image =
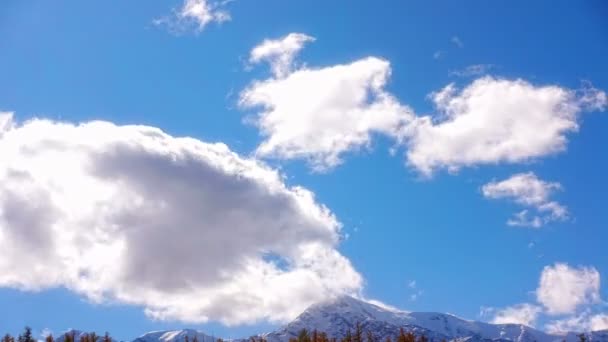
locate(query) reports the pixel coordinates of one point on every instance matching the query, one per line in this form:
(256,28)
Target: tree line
(358,335)
(27,336)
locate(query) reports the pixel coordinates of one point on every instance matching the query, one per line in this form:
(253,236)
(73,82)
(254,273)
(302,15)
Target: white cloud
(280,53)
(528,190)
(188,230)
(457,41)
(494,121)
(382,305)
(517,314)
(584,322)
(196,14)
(414,296)
(318,114)
(472,70)
(562,289)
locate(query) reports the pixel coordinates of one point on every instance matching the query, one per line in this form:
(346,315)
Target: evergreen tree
(106,338)
(69,337)
(84,338)
(348,337)
(49,338)
(303,336)
(27,335)
(8,338)
(358,336)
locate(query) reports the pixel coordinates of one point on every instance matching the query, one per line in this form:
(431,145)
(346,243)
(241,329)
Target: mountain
(175,336)
(339,315)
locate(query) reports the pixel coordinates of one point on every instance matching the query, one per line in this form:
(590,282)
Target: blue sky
(424,208)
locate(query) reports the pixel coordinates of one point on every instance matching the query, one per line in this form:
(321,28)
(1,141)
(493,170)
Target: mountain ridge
(339,315)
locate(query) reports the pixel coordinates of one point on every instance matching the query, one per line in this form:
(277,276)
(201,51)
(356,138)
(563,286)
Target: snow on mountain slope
(341,314)
(175,336)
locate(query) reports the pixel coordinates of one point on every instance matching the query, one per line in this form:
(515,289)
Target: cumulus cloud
(584,322)
(562,288)
(524,313)
(280,53)
(318,114)
(528,190)
(189,230)
(195,14)
(494,121)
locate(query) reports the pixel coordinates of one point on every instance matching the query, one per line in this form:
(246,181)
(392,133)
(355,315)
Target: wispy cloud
(472,70)
(195,15)
(457,41)
(528,190)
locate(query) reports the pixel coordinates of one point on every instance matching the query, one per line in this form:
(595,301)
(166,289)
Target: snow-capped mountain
(339,315)
(175,336)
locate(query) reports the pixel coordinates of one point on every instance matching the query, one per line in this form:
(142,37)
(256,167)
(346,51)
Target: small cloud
(415,296)
(416,292)
(563,289)
(438,54)
(195,15)
(528,190)
(525,314)
(457,41)
(472,70)
(280,53)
